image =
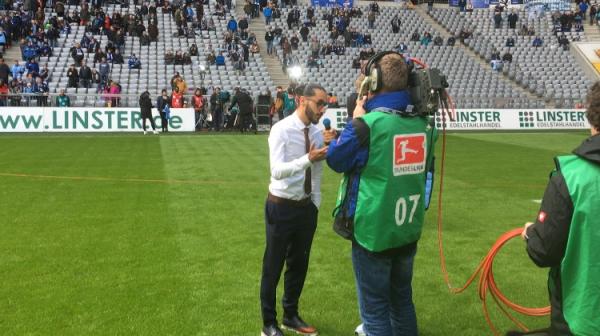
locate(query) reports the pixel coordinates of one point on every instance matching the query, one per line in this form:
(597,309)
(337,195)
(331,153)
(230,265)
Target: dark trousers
(290,232)
(217,119)
(246,122)
(151,122)
(164,122)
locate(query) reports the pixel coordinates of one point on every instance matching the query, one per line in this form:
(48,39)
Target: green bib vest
(580,268)
(391,194)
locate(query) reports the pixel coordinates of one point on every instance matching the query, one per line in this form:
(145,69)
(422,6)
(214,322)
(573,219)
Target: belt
(279,200)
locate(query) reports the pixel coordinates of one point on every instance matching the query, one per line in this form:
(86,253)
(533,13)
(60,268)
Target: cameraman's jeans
(384,292)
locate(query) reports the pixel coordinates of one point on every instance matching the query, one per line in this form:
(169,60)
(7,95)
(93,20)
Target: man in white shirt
(296,151)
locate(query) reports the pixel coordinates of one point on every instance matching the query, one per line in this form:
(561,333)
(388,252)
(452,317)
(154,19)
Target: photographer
(566,234)
(383,153)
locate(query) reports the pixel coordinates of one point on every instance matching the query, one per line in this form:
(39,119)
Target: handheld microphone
(327,124)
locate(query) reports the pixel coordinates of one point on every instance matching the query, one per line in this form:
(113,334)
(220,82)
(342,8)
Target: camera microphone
(327,124)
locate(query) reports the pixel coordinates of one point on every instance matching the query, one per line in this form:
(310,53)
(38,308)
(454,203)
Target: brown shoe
(297,325)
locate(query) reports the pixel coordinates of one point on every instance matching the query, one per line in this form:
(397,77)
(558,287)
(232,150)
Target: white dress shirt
(289,160)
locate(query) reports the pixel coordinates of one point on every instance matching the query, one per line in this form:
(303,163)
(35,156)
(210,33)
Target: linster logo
(409,154)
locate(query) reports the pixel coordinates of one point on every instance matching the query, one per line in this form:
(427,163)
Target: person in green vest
(566,235)
(289,102)
(63,100)
(385,154)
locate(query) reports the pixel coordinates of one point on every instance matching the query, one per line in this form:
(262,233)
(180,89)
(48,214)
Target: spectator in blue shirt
(30,51)
(33,67)
(232,25)
(537,42)
(3,39)
(341,25)
(583,7)
(134,62)
(104,70)
(268,12)
(17,70)
(28,90)
(220,60)
(85,41)
(189,13)
(46,50)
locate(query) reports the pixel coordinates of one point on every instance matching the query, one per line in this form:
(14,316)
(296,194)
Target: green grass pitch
(164,235)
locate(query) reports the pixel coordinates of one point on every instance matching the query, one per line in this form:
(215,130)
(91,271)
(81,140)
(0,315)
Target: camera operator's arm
(547,237)
(351,150)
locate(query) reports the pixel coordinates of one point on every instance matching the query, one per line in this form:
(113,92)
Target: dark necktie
(307,173)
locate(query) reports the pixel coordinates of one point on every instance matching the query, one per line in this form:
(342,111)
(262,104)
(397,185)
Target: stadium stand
(154,73)
(548,71)
(470,82)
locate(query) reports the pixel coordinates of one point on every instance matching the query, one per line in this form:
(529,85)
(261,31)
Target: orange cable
(484,270)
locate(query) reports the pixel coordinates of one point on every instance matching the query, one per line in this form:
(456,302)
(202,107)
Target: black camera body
(425,87)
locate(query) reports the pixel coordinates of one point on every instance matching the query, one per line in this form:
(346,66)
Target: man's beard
(311,115)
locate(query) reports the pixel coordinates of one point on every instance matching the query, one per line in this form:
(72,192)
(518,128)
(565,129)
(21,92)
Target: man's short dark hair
(299,90)
(310,90)
(593,109)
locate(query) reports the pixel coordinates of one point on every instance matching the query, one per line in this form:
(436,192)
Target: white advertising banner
(540,119)
(83,119)
(55,119)
(490,119)
(337,117)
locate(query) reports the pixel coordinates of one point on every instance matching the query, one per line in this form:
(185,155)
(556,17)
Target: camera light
(295,72)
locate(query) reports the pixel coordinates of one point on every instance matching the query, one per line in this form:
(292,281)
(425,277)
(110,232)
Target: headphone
(373,81)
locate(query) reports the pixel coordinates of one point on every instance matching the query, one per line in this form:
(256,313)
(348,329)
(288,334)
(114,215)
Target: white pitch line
(537,201)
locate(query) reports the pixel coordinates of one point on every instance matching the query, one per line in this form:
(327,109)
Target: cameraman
(566,235)
(383,154)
